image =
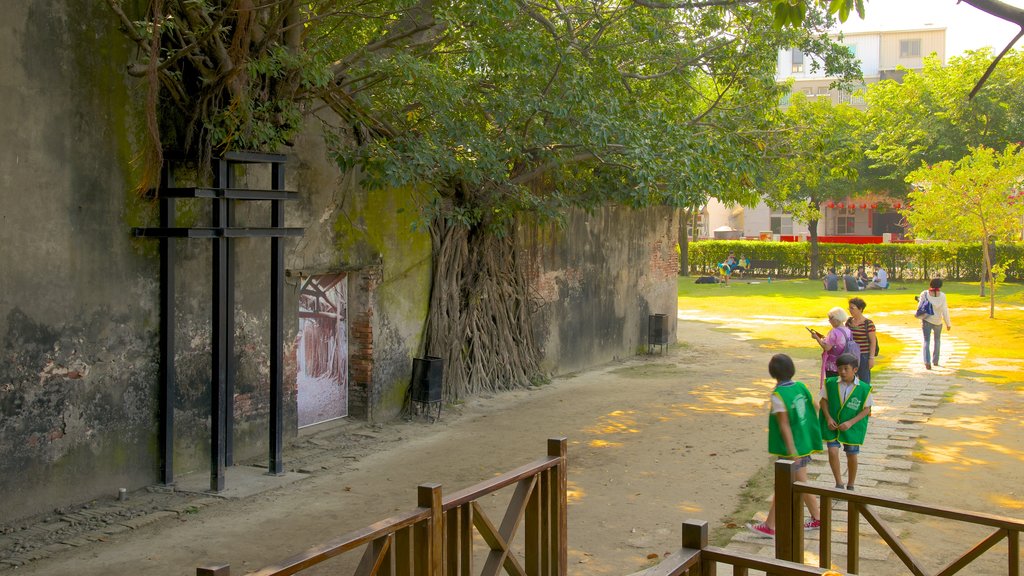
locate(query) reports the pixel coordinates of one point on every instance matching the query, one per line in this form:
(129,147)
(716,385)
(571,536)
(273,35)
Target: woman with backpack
(838,340)
(932,323)
(863,330)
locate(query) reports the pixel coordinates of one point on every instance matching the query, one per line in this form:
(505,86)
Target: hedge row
(953,261)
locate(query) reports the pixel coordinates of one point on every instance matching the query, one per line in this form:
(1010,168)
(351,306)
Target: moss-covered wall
(596,279)
(376,238)
(77,300)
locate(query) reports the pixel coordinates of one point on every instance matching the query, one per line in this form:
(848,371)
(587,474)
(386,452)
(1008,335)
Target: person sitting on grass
(743,264)
(831,280)
(793,433)
(845,409)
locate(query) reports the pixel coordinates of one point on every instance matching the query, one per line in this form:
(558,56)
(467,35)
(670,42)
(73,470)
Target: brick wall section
(663,260)
(361,392)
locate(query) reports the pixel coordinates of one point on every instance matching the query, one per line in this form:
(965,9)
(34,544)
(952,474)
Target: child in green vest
(793,433)
(845,408)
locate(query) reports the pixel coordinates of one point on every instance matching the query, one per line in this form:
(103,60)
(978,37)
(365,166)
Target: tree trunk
(479,317)
(986,273)
(812,232)
(684,240)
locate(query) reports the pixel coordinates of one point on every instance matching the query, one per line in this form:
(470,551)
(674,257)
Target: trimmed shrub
(953,261)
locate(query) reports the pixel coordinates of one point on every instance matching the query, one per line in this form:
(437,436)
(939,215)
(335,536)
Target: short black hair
(858,302)
(781,367)
(847,359)
(935,284)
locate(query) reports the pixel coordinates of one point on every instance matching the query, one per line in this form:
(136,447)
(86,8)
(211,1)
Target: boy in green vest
(845,408)
(793,433)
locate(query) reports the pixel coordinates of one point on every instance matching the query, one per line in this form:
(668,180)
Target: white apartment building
(880,54)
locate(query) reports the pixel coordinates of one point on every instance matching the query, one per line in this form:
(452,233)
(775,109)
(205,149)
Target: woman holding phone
(833,344)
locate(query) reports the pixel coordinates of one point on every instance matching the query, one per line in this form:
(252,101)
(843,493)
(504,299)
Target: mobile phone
(813,332)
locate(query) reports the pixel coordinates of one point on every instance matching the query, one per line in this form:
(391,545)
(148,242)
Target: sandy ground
(653,441)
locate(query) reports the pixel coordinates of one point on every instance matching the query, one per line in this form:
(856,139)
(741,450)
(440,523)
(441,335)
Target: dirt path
(653,441)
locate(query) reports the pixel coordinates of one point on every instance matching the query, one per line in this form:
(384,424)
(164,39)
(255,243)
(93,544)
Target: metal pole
(218,365)
(229,325)
(276,464)
(166,369)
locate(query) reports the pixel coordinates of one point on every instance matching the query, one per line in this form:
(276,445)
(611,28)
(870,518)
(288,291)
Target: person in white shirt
(932,323)
(880,281)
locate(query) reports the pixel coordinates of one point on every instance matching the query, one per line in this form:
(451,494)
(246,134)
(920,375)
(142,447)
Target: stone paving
(905,396)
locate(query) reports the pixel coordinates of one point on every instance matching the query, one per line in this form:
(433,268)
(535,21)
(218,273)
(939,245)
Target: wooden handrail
(417,542)
(789,532)
(509,478)
(342,544)
(985,519)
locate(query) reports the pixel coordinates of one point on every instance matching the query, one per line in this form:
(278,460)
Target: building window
(822,92)
(910,48)
(846,221)
(781,223)
(798,61)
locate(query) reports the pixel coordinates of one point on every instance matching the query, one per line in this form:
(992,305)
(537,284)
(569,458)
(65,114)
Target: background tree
(821,161)
(972,199)
(929,118)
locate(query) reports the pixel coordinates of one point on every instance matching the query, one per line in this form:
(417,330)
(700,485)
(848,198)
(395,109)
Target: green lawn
(996,352)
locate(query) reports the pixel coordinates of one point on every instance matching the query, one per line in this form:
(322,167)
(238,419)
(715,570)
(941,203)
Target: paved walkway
(905,396)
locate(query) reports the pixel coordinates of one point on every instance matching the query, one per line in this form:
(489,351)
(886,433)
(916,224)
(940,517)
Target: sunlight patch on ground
(1004,501)
(998,448)
(597,443)
(981,424)
(689,508)
(616,422)
(574,494)
(947,455)
(962,397)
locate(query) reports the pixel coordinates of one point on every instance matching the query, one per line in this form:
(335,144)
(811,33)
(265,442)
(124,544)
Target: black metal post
(218,365)
(166,369)
(231,367)
(276,464)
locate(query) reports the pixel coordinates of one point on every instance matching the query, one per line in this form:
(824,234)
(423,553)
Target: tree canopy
(971,199)
(928,117)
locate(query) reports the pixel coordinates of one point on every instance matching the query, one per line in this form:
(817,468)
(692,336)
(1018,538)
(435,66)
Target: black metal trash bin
(427,376)
(657,331)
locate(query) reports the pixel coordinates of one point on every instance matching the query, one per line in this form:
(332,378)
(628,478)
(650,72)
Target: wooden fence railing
(789,533)
(436,539)
(696,558)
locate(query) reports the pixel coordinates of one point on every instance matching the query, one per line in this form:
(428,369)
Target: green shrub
(953,261)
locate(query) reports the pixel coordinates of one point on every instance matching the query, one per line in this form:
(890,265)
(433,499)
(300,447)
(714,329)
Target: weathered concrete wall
(77,298)
(374,237)
(596,280)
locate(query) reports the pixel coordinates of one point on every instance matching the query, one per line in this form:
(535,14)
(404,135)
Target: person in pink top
(832,344)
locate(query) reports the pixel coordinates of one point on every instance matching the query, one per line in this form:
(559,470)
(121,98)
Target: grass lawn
(996,352)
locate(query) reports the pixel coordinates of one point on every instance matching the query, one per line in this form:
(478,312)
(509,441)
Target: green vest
(843,411)
(803,421)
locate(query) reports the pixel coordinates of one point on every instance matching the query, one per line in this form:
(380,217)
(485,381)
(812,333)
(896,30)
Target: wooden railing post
(429,553)
(559,447)
(853,536)
(695,536)
(1013,539)
(215,570)
(787,511)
